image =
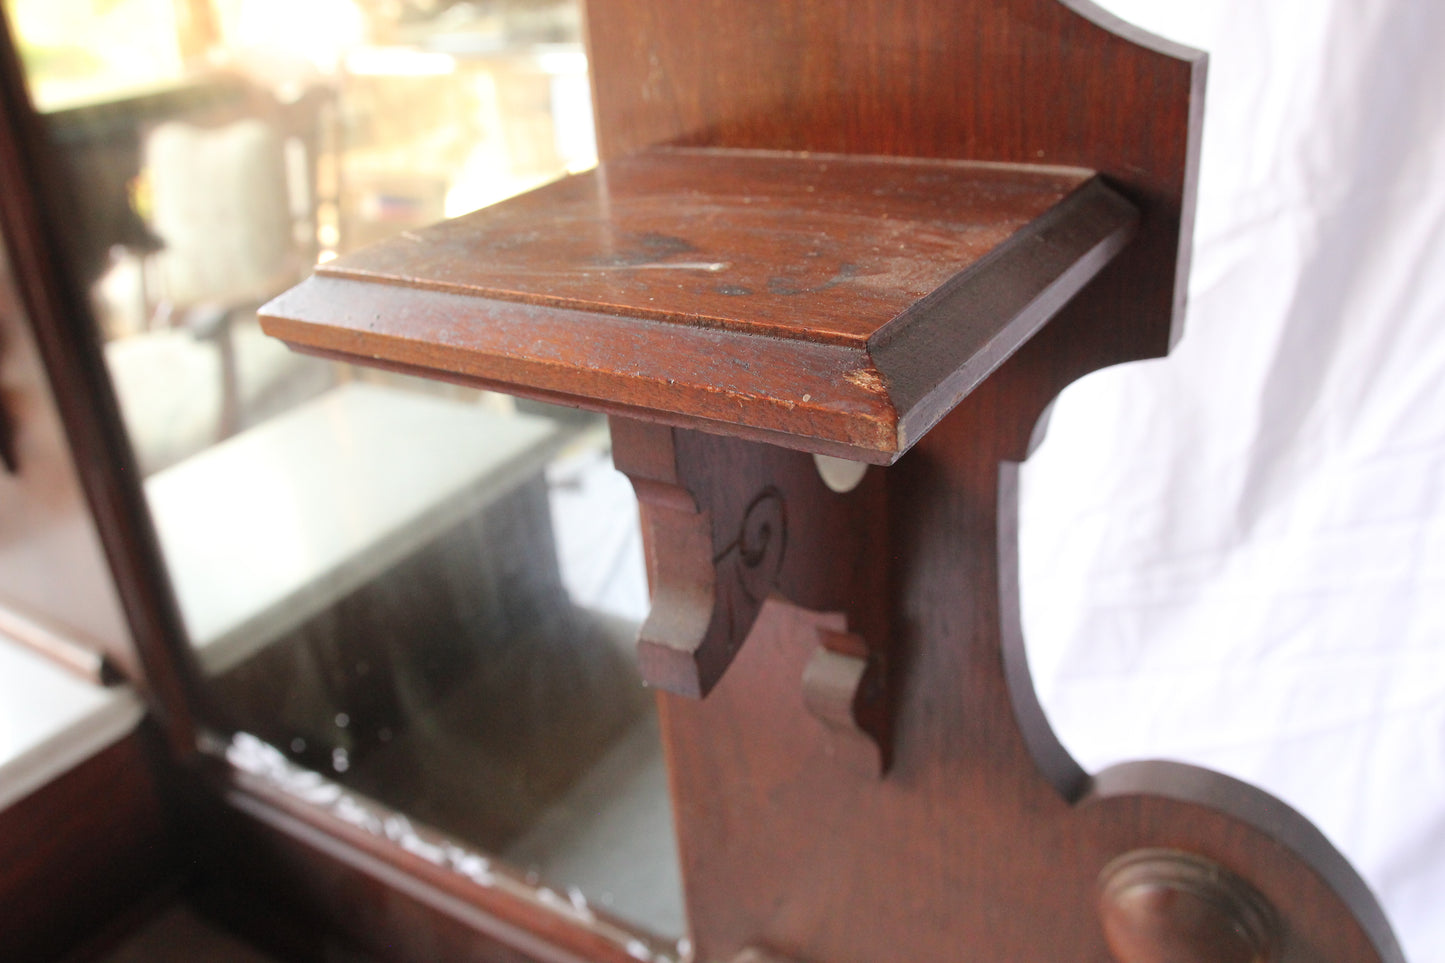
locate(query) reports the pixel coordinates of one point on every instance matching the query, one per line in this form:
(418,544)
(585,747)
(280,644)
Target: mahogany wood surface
(1021,81)
(823,248)
(721,542)
(821,301)
(983,840)
(82,851)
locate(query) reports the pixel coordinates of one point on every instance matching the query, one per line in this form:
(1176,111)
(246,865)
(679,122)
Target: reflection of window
(81,51)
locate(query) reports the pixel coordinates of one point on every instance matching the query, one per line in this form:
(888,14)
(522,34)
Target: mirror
(425,594)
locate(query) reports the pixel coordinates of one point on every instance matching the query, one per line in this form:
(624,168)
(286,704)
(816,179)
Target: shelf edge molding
(864,388)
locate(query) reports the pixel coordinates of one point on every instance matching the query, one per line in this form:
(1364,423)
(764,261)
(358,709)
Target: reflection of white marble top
(270,527)
(50,720)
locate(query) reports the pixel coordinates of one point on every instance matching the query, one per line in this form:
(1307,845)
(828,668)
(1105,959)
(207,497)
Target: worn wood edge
(846,687)
(672,650)
(613,409)
(528,927)
(892,160)
(939,350)
(827,399)
(1266,814)
(684,593)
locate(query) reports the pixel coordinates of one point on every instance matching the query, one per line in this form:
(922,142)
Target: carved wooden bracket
(845,686)
(710,574)
(719,547)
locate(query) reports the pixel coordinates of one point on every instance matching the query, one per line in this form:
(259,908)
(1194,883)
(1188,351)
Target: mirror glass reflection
(425,593)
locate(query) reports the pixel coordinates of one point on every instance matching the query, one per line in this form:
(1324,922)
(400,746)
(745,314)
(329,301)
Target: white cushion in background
(51,721)
(219,201)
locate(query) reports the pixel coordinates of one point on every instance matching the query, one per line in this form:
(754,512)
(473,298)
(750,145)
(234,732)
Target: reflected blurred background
(426,593)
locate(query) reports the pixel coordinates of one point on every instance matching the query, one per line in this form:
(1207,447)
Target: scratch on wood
(867,380)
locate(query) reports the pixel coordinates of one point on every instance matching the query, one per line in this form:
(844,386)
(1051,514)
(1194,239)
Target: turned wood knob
(1165,906)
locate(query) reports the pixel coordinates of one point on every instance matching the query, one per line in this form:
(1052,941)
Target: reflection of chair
(220,205)
(231,198)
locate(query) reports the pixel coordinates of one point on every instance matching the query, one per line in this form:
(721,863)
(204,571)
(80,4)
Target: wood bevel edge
(843,410)
(905,378)
(933,355)
(780,439)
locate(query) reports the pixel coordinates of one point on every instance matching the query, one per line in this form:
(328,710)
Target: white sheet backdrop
(1236,557)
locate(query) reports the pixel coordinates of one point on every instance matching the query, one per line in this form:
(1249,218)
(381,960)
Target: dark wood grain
(824,302)
(1026,81)
(821,248)
(986,840)
(971,847)
(82,851)
(720,544)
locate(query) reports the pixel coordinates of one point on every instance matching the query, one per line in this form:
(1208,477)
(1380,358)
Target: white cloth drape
(1236,557)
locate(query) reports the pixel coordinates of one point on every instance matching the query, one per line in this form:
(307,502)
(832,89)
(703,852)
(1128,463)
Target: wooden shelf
(830,303)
